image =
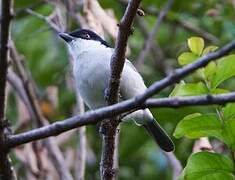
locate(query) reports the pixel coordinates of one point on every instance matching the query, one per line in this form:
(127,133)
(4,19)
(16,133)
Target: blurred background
(35,42)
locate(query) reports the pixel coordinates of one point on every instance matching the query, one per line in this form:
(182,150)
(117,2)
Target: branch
(176,102)
(109,127)
(118,58)
(27,85)
(16,83)
(92,117)
(80,166)
(52,25)
(179,74)
(6,170)
(156,51)
(190,27)
(81,153)
(175,164)
(151,37)
(187,26)
(28,95)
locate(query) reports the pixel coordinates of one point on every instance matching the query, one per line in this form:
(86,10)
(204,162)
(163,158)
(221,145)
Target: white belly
(92,79)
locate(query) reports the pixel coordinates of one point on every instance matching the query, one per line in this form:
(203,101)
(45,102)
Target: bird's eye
(87,36)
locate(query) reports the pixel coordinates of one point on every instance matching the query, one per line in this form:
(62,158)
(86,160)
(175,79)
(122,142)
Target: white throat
(79,46)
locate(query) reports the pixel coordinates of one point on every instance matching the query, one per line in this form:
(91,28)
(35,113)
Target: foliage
(210,166)
(218,123)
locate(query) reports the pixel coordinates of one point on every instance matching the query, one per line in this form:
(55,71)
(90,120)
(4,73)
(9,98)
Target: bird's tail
(159,135)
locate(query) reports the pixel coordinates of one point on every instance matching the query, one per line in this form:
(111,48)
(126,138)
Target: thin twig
(175,164)
(53,26)
(35,112)
(27,84)
(192,28)
(156,51)
(151,37)
(81,153)
(176,102)
(187,26)
(6,170)
(16,83)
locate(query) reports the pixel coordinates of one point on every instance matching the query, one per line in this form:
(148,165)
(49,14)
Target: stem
(208,86)
(32,103)
(81,153)
(152,35)
(107,165)
(219,114)
(109,127)
(6,170)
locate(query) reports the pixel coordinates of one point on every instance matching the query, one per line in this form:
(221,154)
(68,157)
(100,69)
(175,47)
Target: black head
(89,35)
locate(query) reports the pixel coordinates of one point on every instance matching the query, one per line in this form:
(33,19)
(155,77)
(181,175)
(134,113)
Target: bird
(91,56)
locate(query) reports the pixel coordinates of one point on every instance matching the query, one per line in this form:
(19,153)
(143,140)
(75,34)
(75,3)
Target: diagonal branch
(15,81)
(109,127)
(179,74)
(157,53)
(6,171)
(92,117)
(192,28)
(81,151)
(29,96)
(151,37)
(51,24)
(186,25)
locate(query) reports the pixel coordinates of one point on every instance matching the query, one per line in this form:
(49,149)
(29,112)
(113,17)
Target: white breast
(91,72)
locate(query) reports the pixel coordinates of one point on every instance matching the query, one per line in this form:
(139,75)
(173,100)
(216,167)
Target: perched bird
(91,70)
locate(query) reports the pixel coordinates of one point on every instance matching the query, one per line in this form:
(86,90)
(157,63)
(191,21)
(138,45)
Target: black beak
(66,37)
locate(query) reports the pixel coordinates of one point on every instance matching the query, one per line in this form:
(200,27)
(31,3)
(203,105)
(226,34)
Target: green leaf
(229,111)
(189,89)
(219,91)
(228,133)
(181,176)
(196,125)
(196,45)
(208,166)
(186,58)
(225,69)
(209,49)
(209,70)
